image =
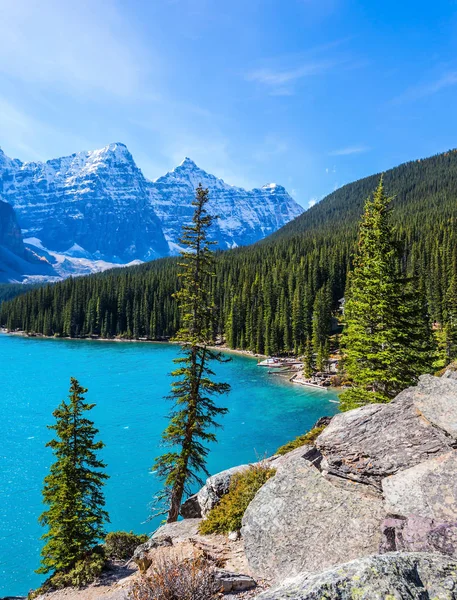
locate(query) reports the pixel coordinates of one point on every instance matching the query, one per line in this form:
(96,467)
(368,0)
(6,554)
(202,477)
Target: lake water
(128,382)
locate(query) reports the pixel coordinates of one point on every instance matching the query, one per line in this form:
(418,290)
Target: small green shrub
(301,440)
(452,366)
(227,515)
(120,545)
(84,571)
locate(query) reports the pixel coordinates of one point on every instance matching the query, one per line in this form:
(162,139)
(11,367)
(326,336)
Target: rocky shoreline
(369,511)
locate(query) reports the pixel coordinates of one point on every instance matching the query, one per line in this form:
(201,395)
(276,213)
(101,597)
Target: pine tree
(450,322)
(73,489)
(323,354)
(308,359)
(321,326)
(193,418)
(387,336)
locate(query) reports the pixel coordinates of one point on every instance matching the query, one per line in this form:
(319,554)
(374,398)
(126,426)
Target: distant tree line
(8,291)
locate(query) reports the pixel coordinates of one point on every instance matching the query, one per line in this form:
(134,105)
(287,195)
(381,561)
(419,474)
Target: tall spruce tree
(321,323)
(450,322)
(193,418)
(387,340)
(72,491)
(308,359)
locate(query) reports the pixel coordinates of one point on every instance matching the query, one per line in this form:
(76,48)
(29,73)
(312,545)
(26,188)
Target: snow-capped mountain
(98,206)
(244,216)
(95,201)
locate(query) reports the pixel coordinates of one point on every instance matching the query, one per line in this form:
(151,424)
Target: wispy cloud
(312,202)
(279,74)
(280,77)
(349,150)
(430,88)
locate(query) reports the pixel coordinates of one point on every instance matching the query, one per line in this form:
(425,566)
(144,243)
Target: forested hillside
(266,294)
(8,291)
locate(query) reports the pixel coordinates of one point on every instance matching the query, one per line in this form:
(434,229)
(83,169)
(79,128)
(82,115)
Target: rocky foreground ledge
(368,512)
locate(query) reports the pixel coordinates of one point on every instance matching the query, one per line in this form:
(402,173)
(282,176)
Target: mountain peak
(273,187)
(114,153)
(117,148)
(6,161)
(188,163)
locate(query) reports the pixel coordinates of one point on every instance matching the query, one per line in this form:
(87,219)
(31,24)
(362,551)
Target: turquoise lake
(128,382)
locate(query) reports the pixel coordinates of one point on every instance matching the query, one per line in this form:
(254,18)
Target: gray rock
(450,374)
(298,521)
(233,582)
(418,534)
(426,490)
(436,399)
(166,535)
(323,421)
(372,442)
(396,576)
(141,555)
(191,509)
(284,461)
(123,594)
(181,531)
(215,487)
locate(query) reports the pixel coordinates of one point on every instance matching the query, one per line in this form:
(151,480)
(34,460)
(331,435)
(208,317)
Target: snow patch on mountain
(74,262)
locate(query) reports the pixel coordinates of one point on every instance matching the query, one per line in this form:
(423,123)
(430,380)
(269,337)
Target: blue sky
(311,94)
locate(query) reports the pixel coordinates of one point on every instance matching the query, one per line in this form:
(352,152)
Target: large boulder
(299,521)
(395,576)
(378,440)
(427,490)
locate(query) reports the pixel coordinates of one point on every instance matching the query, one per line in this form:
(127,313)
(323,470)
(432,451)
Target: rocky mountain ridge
(15,257)
(10,232)
(98,206)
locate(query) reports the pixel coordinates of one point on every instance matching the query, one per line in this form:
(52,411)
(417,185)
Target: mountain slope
(98,206)
(10,232)
(15,257)
(264,293)
(418,187)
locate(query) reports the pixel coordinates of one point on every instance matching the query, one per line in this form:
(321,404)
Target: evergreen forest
(277,295)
